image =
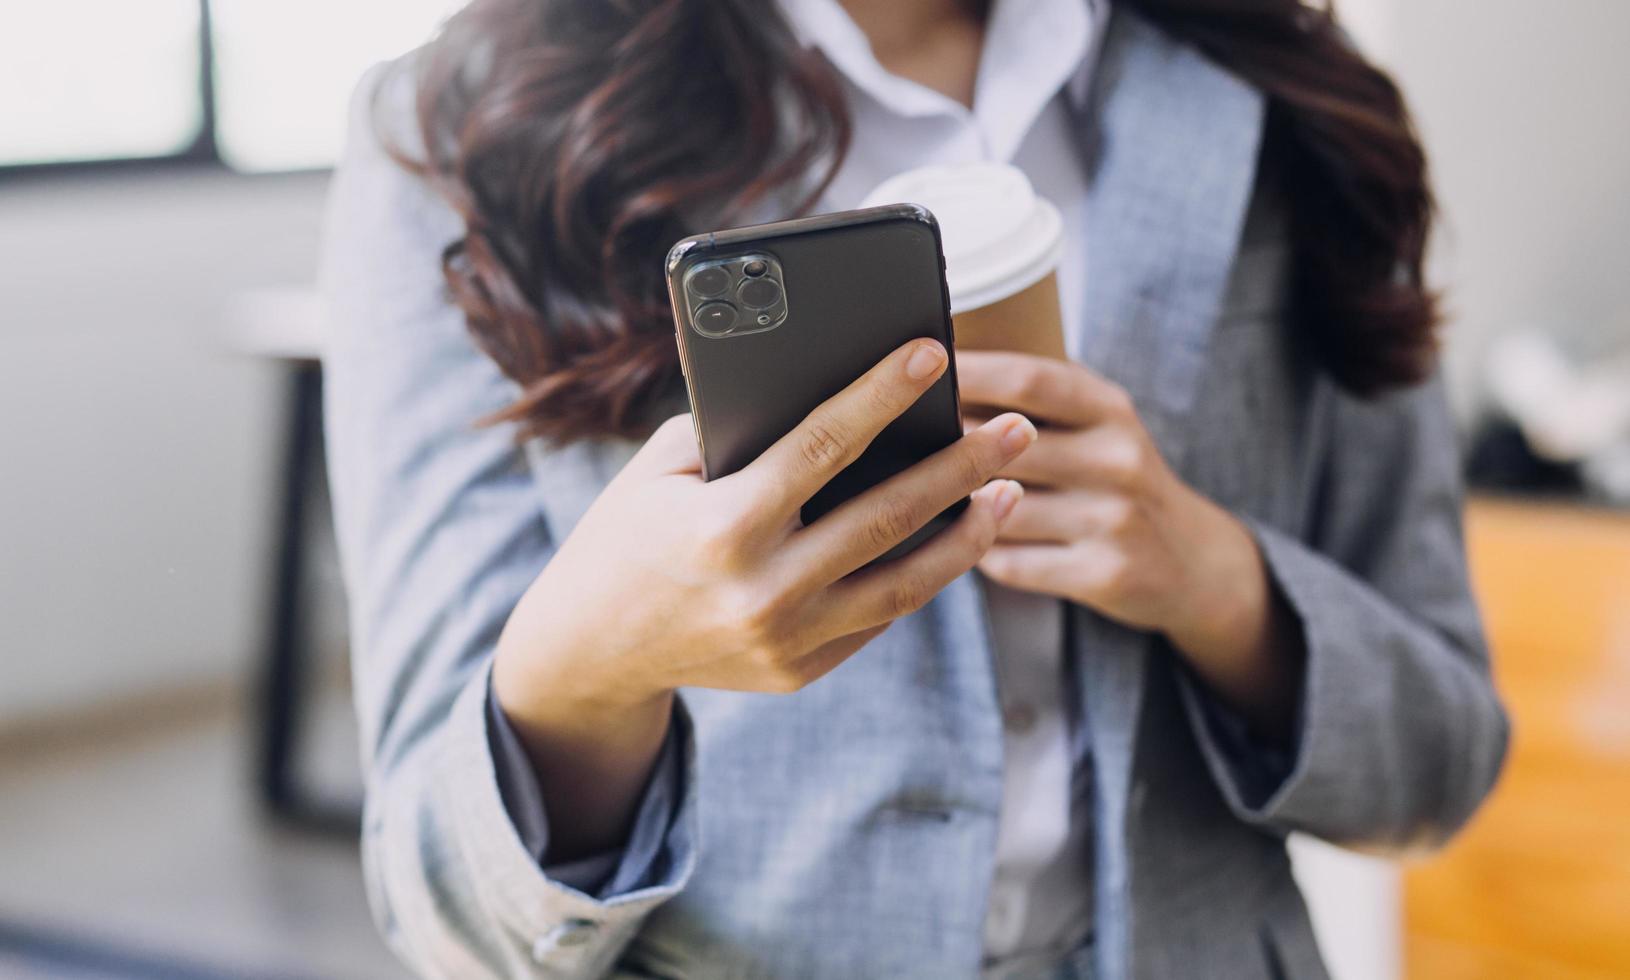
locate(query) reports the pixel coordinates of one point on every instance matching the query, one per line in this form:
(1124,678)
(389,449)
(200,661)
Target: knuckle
(1114,578)
(1029,385)
(881,399)
(824,442)
(720,541)
(1126,458)
(893,520)
(778,673)
(1118,513)
(766,660)
(1118,400)
(769,658)
(737,611)
(787,679)
(972,466)
(908,594)
(759,616)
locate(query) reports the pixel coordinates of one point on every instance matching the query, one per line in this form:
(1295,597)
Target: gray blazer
(848,830)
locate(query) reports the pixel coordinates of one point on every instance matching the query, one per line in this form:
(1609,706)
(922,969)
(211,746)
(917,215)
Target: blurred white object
(1568,413)
(281,322)
(1608,472)
(1356,909)
(999,235)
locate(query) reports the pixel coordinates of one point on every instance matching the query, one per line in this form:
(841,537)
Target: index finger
(1057,391)
(834,435)
(670,449)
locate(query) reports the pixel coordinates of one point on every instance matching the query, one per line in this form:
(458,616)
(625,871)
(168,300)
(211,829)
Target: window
(285,70)
(99,80)
(83,81)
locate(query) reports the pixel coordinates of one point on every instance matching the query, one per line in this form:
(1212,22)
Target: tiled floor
(144,856)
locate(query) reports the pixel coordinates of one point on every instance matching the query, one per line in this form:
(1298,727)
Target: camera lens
(715,318)
(755,268)
(760,294)
(710,282)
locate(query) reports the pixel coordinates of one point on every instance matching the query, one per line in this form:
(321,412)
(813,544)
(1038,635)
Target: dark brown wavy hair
(578,139)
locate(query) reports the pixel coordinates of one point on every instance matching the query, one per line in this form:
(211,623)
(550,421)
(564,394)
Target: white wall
(1525,108)
(136,451)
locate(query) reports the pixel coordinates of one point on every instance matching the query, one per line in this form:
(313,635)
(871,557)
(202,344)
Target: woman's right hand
(669,581)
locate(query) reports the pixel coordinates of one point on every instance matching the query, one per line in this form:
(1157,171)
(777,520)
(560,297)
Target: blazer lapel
(1169,142)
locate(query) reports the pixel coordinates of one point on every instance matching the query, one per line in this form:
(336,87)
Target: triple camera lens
(736,296)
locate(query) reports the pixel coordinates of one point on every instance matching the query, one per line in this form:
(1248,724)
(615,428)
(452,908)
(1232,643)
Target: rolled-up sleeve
(442,528)
(641,862)
(1399,733)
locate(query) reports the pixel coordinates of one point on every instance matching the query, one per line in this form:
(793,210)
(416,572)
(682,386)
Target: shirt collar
(1032,50)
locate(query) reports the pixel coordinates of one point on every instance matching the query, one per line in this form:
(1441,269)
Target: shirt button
(1019,718)
(569,934)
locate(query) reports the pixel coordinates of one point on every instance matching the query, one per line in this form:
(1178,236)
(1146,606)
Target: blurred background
(178,776)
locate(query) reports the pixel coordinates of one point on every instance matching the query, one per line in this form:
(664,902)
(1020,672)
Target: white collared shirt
(1041,897)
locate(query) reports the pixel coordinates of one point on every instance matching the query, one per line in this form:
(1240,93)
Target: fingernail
(924,361)
(1007,497)
(1019,435)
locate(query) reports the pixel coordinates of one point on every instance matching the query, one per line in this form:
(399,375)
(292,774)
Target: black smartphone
(774,319)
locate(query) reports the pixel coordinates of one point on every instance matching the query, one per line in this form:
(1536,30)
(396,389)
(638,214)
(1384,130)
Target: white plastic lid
(999,236)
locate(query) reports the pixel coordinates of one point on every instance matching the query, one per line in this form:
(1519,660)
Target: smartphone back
(854,286)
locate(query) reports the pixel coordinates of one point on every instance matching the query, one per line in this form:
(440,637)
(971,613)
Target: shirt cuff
(638,863)
(569,932)
(1257,768)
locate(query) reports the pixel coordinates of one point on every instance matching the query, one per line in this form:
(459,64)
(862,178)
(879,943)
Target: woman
(622,721)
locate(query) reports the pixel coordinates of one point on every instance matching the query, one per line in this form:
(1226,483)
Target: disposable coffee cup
(1002,246)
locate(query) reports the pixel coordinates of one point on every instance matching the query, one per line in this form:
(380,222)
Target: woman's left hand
(1106,523)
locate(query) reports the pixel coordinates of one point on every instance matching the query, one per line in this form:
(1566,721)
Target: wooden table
(1539,886)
